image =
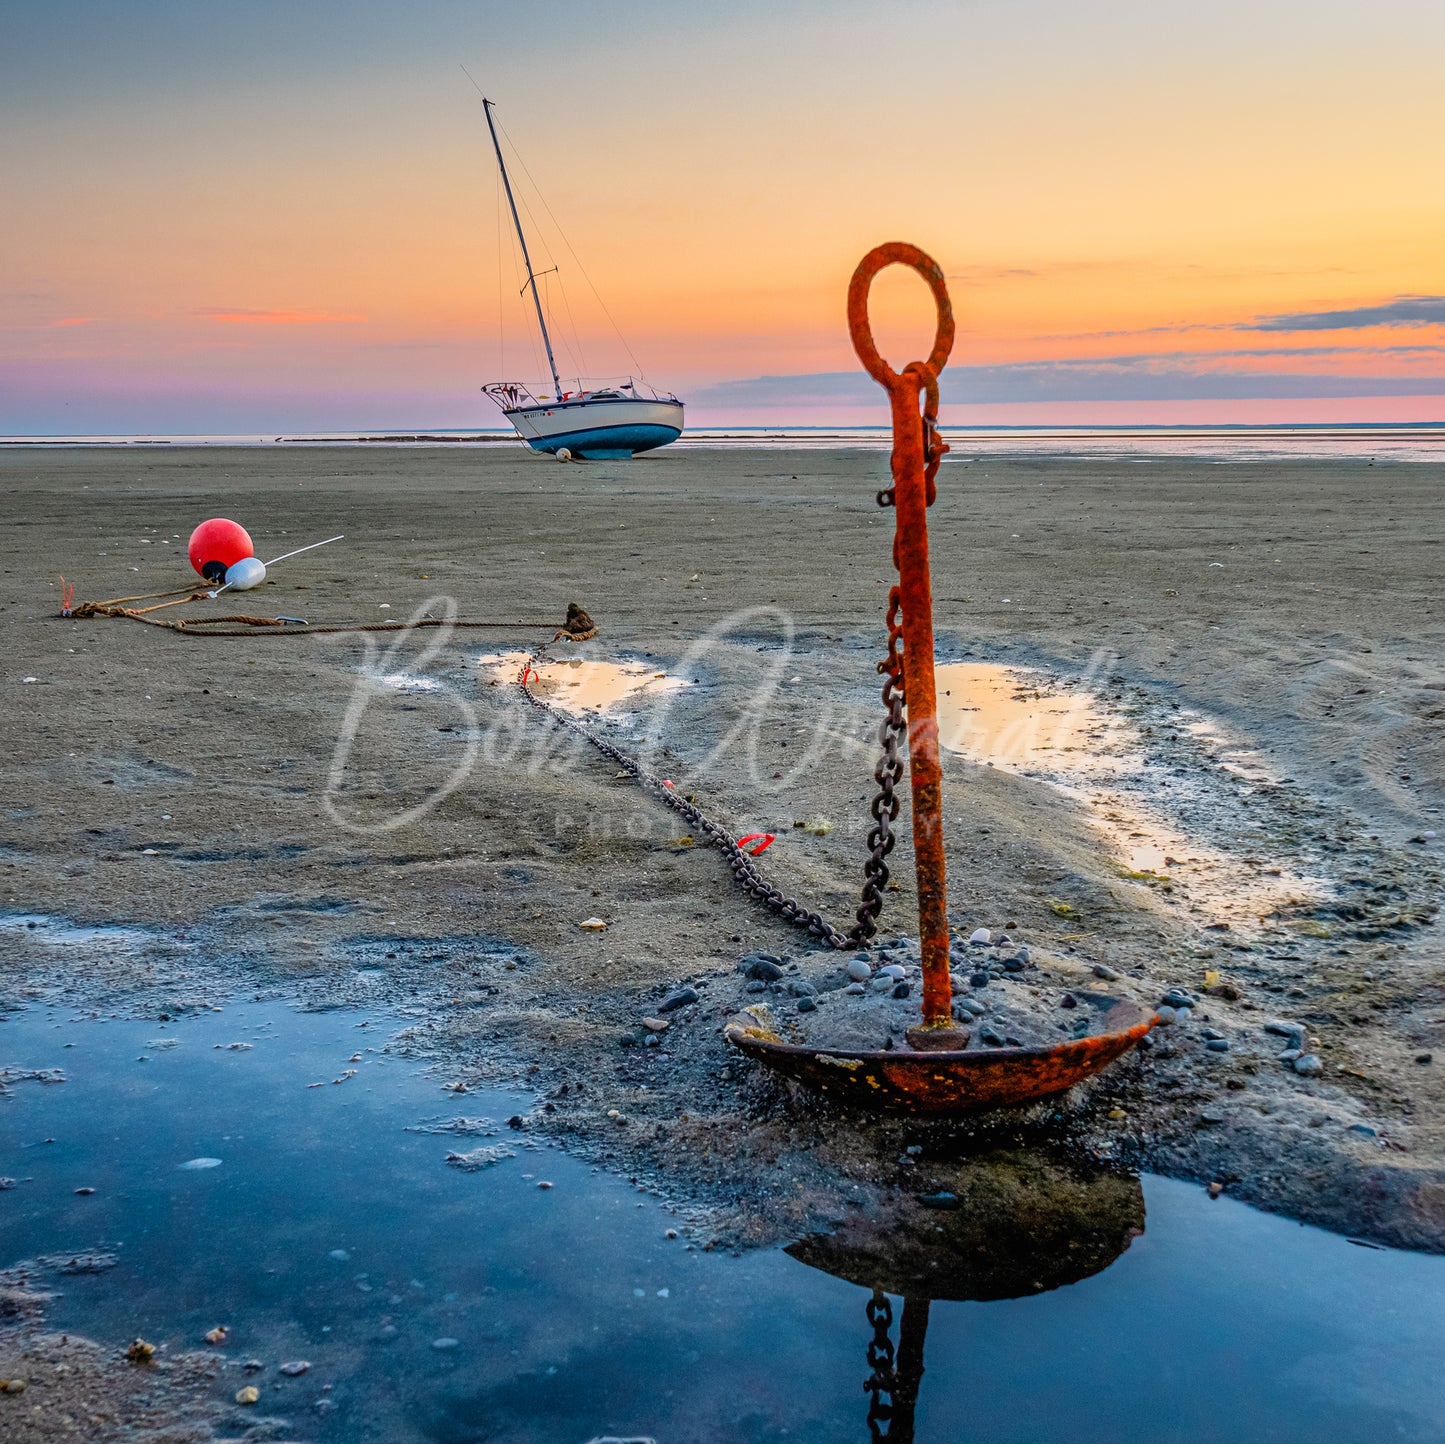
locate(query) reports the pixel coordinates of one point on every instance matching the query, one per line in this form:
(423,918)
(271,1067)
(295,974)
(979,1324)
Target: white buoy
(249,572)
(563,454)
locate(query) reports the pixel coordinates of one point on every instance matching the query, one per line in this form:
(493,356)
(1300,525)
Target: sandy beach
(273,819)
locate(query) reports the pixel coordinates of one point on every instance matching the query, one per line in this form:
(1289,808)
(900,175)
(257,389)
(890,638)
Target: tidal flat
(1197,748)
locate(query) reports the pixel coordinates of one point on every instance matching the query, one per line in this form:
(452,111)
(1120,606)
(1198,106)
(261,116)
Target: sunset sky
(275,216)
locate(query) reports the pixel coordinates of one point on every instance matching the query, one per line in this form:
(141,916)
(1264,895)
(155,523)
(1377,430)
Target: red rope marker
(767,840)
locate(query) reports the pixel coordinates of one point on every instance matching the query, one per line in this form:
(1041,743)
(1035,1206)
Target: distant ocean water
(1420,442)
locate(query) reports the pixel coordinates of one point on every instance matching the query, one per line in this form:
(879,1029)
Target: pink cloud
(70,321)
(280,318)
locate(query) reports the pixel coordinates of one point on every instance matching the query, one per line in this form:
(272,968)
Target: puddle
(996,716)
(409,682)
(274,1190)
(1019,722)
(584,684)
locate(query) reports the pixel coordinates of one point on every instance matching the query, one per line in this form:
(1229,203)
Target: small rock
(218,1334)
(592,925)
(896,971)
(1022,955)
(883,984)
(1013,965)
(444,1344)
(938,1200)
(656,1025)
(680,999)
(140,1352)
(1290,1055)
(1003,941)
(980,937)
(756,986)
(1364,1130)
(340,1255)
(859,971)
(1217,1045)
(652,1041)
(1424,1058)
(1108,974)
(1212,1033)
(807,1004)
(544,1185)
(970,1006)
(1295,1032)
(857,990)
(249,1395)
(1178,998)
(1215,1189)
(1068,1001)
(1166,1015)
(1210,1117)
(764,970)
(253,1366)
(1309,1065)
(990,1036)
(294,1369)
(979,980)
(901,990)
(85,1192)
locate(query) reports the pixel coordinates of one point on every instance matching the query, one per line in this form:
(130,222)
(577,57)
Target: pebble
(856,989)
(340,1255)
(801,989)
(1364,1130)
(901,990)
(544,1185)
(987,1035)
(883,984)
(765,971)
(859,971)
(979,980)
(651,1041)
(1166,1015)
(1178,998)
(938,1200)
(896,971)
(1108,974)
(756,986)
(1308,1065)
(1291,1055)
(1424,1058)
(249,1395)
(1295,1032)
(1014,965)
(807,1004)
(294,1368)
(1068,1001)
(1217,1045)
(1212,1033)
(445,1343)
(680,999)
(656,1025)
(1023,956)
(970,1006)
(981,937)
(1003,941)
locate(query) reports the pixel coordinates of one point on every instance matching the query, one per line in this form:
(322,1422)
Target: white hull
(604,426)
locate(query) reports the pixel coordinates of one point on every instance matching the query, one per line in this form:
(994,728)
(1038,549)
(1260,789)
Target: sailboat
(609,421)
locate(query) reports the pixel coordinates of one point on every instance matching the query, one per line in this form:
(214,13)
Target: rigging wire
(563,235)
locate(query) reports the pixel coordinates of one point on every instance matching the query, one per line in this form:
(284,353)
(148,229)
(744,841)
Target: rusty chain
(888,772)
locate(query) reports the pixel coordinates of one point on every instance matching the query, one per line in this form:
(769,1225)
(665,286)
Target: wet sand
(196,788)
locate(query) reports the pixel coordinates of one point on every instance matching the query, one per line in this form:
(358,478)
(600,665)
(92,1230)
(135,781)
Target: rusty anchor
(937,1072)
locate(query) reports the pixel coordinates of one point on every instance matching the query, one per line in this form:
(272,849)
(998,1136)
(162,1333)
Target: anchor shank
(925,775)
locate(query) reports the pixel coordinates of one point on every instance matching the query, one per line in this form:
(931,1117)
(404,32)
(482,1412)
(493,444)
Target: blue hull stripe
(612,440)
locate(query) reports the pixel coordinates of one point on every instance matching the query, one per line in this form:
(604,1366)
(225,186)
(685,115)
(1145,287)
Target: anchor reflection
(1010,1224)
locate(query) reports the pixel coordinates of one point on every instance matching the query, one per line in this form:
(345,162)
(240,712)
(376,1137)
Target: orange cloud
(280,318)
(70,321)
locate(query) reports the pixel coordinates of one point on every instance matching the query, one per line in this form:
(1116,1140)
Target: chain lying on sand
(745,870)
(579,627)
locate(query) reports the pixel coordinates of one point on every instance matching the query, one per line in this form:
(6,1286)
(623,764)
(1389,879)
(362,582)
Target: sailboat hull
(598,428)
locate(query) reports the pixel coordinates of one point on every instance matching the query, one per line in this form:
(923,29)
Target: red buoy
(218,544)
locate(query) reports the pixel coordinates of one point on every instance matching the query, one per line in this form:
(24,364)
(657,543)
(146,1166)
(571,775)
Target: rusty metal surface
(946,1082)
(916,454)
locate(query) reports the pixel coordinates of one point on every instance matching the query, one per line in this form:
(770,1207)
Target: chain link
(884,1378)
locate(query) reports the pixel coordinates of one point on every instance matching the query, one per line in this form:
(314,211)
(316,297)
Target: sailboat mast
(531,275)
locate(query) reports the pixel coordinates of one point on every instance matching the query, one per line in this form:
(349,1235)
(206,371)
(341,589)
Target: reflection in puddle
(408,682)
(583,684)
(994,716)
(1019,722)
(436,1305)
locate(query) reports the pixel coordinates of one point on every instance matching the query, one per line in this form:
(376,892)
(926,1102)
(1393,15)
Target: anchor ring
(897,253)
